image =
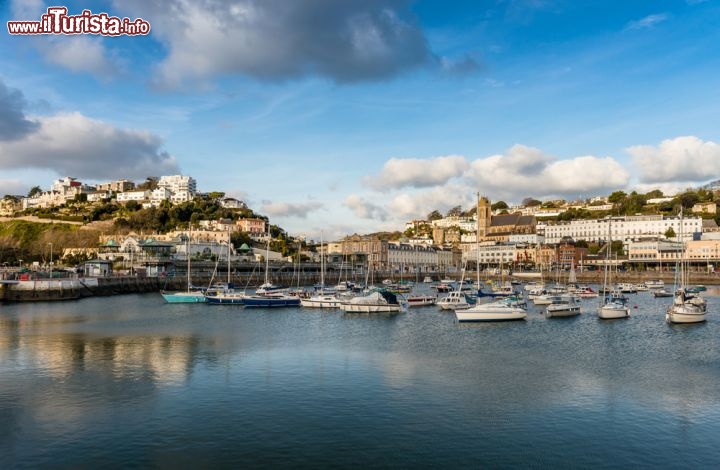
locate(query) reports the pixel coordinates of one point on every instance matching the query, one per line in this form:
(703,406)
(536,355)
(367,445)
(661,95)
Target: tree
(34,191)
(216,195)
(655,193)
(688,199)
(132,206)
(499,205)
(530,202)
(617,196)
(455,211)
(434,215)
(670,233)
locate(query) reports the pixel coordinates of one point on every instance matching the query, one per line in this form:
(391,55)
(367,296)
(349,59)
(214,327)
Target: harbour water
(129,381)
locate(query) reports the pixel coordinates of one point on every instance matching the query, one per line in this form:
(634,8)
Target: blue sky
(356,116)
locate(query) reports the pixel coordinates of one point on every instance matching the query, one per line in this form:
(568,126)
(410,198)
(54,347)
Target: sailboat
(613,307)
(269,295)
(499,310)
(321,299)
(192,294)
(226,295)
(686,307)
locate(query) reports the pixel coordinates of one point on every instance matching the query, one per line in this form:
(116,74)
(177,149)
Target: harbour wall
(80,287)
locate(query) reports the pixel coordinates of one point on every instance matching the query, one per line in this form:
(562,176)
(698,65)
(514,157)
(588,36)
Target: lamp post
(51,263)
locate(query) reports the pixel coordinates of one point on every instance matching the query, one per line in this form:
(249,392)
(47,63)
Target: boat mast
(322,265)
(228,260)
(477,241)
(187,253)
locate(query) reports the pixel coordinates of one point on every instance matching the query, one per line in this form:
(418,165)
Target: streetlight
(51,265)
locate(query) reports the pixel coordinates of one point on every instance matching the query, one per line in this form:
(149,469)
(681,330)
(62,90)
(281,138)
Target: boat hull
(611,313)
(421,301)
(220,300)
(684,315)
(565,311)
(184,297)
(271,302)
(489,316)
(321,302)
(364,308)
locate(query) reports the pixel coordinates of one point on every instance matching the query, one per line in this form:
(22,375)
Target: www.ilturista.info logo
(57,21)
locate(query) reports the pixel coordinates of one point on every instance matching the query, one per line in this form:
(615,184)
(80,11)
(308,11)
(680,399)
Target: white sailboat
(499,310)
(191,295)
(686,308)
(612,307)
(321,299)
(226,295)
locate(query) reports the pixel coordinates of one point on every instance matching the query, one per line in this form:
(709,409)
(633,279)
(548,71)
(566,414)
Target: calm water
(130,381)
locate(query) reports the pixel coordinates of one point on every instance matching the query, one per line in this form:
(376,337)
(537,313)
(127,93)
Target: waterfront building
(654,251)
(411,258)
(489,253)
(625,228)
(366,251)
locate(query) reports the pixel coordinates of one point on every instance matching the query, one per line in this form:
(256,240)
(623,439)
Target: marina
(133,381)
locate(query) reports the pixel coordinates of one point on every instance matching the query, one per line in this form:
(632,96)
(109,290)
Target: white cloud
(80,54)
(417,173)
(685,158)
(647,22)
(418,205)
(75,145)
(76,53)
(345,41)
(364,209)
(289,209)
(13,187)
(526,171)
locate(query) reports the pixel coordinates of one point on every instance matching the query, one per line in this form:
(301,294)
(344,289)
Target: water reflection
(131,381)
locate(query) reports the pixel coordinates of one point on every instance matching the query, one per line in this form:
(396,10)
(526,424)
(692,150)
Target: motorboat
(420,300)
(455,300)
(562,306)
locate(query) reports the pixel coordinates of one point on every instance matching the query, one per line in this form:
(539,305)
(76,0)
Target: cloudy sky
(357,115)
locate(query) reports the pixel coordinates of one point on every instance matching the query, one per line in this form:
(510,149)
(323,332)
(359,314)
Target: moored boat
(379,301)
(499,310)
(420,300)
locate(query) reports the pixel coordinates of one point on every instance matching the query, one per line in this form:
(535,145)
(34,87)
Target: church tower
(483,216)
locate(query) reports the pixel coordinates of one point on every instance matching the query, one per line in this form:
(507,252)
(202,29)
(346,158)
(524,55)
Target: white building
(467,224)
(411,258)
(490,253)
(232,203)
(183,188)
(139,195)
(623,228)
(526,238)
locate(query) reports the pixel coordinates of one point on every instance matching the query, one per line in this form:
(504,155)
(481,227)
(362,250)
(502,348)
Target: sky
(356,116)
